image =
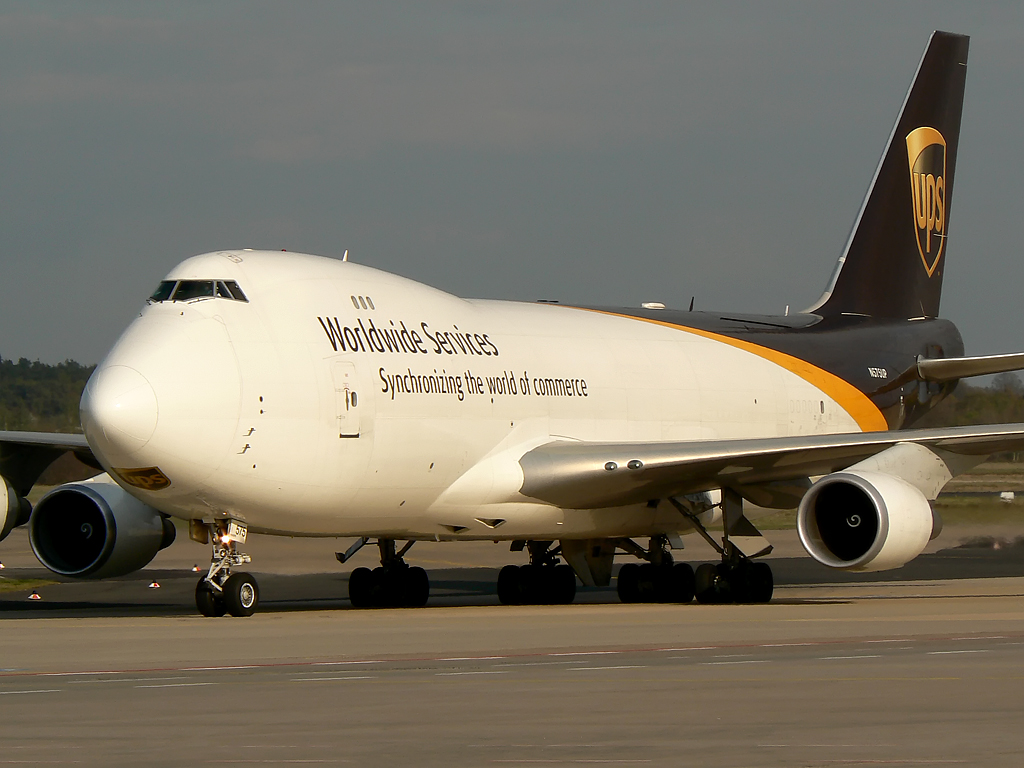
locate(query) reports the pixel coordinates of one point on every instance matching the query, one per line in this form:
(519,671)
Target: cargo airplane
(288,394)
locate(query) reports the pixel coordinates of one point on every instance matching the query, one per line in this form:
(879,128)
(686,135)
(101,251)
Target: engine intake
(95,530)
(860,520)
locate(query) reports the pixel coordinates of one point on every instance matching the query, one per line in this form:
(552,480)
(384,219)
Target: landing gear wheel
(208,601)
(760,583)
(241,594)
(508,586)
(563,586)
(628,583)
(679,583)
(707,584)
(359,583)
(417,587)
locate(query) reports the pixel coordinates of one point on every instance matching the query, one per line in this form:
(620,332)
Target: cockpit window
(236,292)
(187,290)
(193,289)
(164,290)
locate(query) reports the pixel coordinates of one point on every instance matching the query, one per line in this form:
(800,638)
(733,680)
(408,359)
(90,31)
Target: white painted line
(321,679)
(902,640)
(585,653)
(623,666)
(538,663)
(472,658)
(745,661)
(785,645)
(943,653)
(17,693)
(482,672)
(832,658)
(124,680)
(218,669)
(341,663)
(731,655)
(175,685)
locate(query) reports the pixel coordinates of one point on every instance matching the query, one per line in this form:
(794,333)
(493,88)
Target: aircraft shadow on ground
(132,596)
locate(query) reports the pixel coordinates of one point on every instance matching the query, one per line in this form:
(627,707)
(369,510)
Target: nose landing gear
(220,591)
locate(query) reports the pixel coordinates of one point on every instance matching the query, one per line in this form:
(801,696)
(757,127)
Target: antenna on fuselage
(345,257)
(691,302)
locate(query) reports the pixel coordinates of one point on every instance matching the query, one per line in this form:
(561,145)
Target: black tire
(381,593)
(208,601)
(417,587)
(508,585)
(627,583)
(564,584)
(762,583)
(532,585)
(359,583)
(706,581)
(681,583)
(647,583)
(241,594)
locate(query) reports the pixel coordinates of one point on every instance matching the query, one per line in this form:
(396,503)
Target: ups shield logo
(926,151)
(146,478)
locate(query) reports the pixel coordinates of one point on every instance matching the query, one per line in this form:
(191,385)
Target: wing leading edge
(578,475)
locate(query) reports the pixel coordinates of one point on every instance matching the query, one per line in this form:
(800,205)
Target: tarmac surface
(920,666)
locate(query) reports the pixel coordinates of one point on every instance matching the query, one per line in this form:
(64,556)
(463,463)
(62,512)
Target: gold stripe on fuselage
(867,415)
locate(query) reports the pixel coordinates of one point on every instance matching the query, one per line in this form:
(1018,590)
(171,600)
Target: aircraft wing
(24,455)
(581,475)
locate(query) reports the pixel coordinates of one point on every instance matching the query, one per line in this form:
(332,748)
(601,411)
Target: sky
(595,152)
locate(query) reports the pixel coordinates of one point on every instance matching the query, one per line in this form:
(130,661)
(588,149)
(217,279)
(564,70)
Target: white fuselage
(342,400)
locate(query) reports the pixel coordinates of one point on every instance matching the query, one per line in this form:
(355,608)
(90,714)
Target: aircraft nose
(119,408)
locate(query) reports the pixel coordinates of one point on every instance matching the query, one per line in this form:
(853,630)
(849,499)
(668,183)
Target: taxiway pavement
(923,666)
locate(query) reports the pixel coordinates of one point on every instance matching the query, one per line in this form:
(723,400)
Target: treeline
(1000,403)
(38,397)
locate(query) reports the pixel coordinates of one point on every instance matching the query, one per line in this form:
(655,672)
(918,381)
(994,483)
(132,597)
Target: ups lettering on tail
(926,153)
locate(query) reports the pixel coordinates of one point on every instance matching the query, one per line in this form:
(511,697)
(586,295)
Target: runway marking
(538,663)
(322,679)
(18,693)
(472,658)
(833,658)
(175,685)
(124,680)
(586,653)
(623,666)
(900,640)
(731,655)
(969,650)
(991,637)
(221,669)
(744,661)
(341,663)
(478,672)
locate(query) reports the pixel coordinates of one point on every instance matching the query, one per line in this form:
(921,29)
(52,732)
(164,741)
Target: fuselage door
(346,398)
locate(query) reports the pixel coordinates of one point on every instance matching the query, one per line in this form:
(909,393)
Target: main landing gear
(738,578)
(221,591)
(395,584)
(659,580)
(543,582)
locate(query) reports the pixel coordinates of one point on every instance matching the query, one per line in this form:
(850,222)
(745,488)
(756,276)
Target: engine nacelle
(95,530)
(14,511)
(859,520)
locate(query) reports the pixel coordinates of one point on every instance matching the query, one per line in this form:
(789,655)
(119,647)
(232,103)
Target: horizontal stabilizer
(950,368)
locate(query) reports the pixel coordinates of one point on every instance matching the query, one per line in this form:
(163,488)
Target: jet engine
(860,520)
(14,511)
(95,530)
